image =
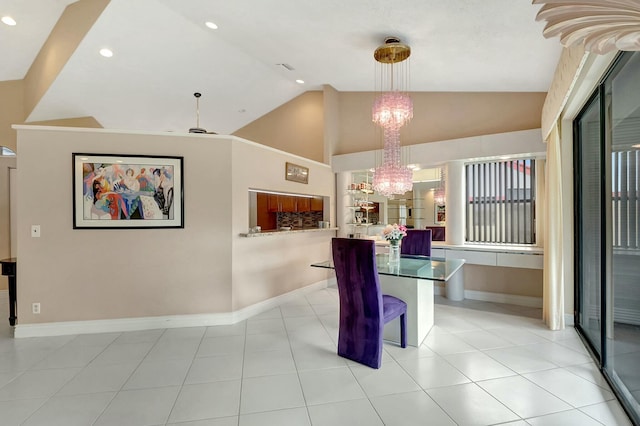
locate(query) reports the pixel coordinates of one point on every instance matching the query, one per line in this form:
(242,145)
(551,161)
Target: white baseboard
(569,320)
(170,321)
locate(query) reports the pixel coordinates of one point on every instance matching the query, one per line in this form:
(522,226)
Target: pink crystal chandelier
(391,110)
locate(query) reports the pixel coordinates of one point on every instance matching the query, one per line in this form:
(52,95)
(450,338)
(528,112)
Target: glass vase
(394,252)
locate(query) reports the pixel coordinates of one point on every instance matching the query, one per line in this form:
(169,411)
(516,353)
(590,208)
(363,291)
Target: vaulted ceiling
(163,53)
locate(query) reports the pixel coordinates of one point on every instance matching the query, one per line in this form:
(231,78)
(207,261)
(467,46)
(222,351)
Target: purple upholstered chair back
(417,242)
(361,309)
(437,232)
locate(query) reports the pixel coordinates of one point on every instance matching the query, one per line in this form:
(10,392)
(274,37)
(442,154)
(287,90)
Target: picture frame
(440,212)
(296,173)
(113,191)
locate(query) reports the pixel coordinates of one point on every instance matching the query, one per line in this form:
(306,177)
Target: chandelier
(391,110)
(439,193)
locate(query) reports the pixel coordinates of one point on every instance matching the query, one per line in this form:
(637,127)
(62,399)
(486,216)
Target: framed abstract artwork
(125,191)
(296,173)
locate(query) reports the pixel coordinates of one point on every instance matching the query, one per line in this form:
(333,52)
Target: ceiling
(163,53)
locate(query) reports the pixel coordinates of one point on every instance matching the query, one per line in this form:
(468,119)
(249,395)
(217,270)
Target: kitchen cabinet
(287,203)
(303,204)
(292,204)
(265,218)
(317,205)
(273,203)
(282,203)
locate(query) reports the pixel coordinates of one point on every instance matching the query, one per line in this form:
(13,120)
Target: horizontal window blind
(501,202)
(625,199)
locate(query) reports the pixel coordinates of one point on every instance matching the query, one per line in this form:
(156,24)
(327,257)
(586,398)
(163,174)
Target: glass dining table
(411,280)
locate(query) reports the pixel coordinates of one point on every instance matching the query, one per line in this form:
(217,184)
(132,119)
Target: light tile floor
(482,364)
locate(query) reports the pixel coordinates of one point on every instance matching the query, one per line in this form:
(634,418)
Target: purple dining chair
(364,310)
(437,233)
(417,242)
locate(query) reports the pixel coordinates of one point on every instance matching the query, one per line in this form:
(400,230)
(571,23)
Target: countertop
(293,231)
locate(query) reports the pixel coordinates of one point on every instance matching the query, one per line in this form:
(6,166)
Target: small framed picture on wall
(296,173)
(439,214)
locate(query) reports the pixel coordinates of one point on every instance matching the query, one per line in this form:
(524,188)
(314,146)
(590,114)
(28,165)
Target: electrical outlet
(35,231)
(35,308)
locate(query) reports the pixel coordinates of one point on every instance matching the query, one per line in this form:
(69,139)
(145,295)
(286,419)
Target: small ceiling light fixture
(197,129)
(9,20)
(602,25)
(300,81)
(107,53)
(391,110)
(211,25)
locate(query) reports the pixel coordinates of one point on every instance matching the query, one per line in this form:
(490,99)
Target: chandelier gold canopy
(392,51)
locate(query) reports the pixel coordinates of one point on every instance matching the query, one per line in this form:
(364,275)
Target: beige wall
(11,110)
(331,101)
(493,279)
(340,122)
(65,37)
(439,116)
(295,127)
(127,273)
(265,267)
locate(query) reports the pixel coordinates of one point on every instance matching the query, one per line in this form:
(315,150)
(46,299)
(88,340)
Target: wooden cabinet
(290,203)
(287,203)
(303,204)
(274,203)
(265,218)
(317,205)
(282,203)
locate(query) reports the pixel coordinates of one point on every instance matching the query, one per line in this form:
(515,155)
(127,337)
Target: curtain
(553,285)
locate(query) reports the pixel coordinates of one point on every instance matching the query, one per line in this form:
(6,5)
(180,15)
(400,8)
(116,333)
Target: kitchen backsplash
(302,220)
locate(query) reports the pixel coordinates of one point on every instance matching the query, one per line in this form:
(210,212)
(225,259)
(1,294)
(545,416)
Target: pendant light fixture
(391,110)
(197,129)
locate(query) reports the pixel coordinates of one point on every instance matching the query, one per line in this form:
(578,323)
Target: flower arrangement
(394,233)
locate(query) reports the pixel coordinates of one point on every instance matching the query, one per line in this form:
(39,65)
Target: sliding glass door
(589,221)
(607,153)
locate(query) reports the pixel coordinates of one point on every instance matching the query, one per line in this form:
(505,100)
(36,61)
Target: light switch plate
(35,231)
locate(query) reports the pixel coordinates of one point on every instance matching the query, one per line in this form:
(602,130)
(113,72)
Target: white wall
(432,154)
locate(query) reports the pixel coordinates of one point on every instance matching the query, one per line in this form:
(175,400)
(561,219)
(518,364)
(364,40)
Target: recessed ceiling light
(9,20)
(211,25)
(635,146)
(300,81)
(107,53)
